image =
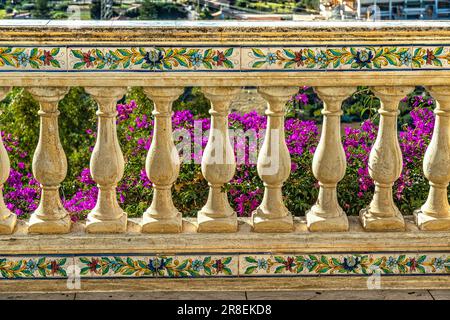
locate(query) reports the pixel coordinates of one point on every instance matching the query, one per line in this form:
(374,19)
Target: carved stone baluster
(49,164)
(107,164)
(274,164)
(218,164)
(385,165)
(435,213)
(162,165)
(7,218)
(329,164)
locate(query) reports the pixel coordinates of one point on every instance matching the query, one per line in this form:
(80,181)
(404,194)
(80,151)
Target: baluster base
(152,224)
(316,223)
(94,225)
(40,226)
(7,225)
(428,223)
(208,224)
(276,225)
(371,222)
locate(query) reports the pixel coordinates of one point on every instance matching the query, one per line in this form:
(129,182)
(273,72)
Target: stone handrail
(47,57)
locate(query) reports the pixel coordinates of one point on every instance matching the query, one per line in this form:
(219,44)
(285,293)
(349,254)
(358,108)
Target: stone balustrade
(163,58)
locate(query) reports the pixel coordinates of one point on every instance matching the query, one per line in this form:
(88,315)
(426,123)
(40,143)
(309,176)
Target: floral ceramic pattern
(363,264)
(236,265)
(31,58)
(32,267)
(307,58)
(342,58)
(154,58)
(158,266)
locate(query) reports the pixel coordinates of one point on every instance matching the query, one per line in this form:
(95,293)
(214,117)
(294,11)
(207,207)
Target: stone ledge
(244,241)
(150,32)
(250,284)
(245,260)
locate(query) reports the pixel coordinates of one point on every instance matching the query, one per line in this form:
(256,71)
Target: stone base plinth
(317,223)
(245,260)
(37,225)
(208,225)
(280,225)
(94,225)
(7,225)
(429,223)
(371,222)
(150,224)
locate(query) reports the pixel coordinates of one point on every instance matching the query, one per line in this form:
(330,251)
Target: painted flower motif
(47,58)
(363,58)
(114,265)
(109,59)
(309,264)
(220,58)
(31,265)
(351,263)
(262,264)
(154,58)
(219,265)
(298,58)
(93,265)
(156,264)
(196,59)
(405,58)
(430,56)
(197,265)
(271,58)
(289,263)
(87,59)
(391,262)
(321,58)
(23,59)
(412,264)
(439,263)
(54,267)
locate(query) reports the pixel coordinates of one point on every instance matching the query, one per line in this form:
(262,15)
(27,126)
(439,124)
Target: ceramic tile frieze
(225,59)
(328,58)
(223,265)
(32,58)
(154,59)
(344,264)
(158,266)
(34,267)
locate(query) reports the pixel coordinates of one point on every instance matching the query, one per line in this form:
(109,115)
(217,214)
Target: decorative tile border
(157,266)
(154,58)
(333,264)
(34,267)
(220,265)
(33,58)
(225,59)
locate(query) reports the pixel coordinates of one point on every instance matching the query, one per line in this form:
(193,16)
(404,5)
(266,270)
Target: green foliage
(42,10)
(193,99)
(96,9)
(161,11)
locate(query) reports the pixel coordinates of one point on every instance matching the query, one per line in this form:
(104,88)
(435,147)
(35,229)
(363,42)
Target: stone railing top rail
(233,53)
(224,32)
